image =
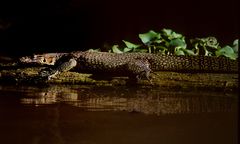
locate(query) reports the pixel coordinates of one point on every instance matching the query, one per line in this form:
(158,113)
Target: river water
(80,114)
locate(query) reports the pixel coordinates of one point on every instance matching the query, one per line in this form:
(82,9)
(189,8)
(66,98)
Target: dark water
(115,115)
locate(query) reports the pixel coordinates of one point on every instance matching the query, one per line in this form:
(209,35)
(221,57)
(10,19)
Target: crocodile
(137,65)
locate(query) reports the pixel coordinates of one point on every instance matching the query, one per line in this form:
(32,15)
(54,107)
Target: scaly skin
(118,64)
(111,62)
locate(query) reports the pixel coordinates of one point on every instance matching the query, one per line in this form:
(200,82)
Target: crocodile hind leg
(63,64)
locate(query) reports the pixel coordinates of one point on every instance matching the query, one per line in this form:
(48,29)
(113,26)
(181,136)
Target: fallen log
(213,81)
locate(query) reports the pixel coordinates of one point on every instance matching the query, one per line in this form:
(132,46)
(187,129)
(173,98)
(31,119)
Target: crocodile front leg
(139,69)
(64,64)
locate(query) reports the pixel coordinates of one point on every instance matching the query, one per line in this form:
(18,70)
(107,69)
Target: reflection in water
(97,115)
(145,100)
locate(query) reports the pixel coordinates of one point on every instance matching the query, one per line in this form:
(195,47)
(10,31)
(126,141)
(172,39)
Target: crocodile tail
(193,64)
(212,64)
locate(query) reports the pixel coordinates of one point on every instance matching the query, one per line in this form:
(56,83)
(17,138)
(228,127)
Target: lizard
(133,65)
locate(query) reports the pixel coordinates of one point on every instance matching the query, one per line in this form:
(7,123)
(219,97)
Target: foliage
(169,42)
(205,46)
(228,51)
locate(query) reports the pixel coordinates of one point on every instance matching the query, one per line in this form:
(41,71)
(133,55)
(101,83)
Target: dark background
(66,25)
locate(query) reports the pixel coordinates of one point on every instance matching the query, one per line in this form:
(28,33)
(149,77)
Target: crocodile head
(39,59)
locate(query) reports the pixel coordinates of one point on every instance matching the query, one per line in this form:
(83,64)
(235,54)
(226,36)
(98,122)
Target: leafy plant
(205,46)
(228,51)
(165,42)
(169,42)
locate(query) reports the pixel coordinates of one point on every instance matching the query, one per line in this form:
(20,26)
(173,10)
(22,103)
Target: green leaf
(131,45)
(176,35)
(189,52)
(126,49)
(235,45)
(170,34)
(167,32)
(211,42)
(149,36)
(178,43)
(235,42)
(179,51)
(115,49)
(205,46)
(227,51)
(161,49)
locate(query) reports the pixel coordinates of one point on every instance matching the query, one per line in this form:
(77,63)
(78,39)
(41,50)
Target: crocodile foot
(60,67)
(139,69)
